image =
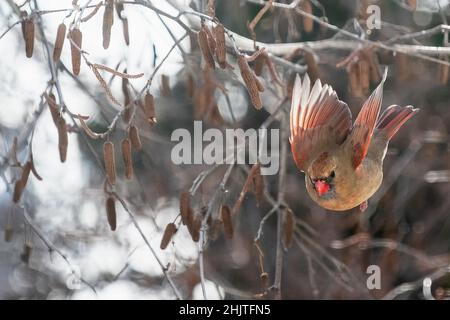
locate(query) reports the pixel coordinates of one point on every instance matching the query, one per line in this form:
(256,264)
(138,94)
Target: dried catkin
(63,138)
(59,42)
(17,193)
(134,138)
(353,79)
(169,232)
(149,107)
(311,63)
(108,20)
(264,279)
(190,85)
(443,73)
(110,163)
(111,213)
(306,6)
(8,233)
(125,29)
(259,85)
(402,66)
(53,107)
(127,158)
(227,221)
(364,75)
(26,252)
(374,66)
(25,173)
(259,64)
(185,207)
(219,34)
(28,28)
(165,86)
(205,48)
(250,83)
(75,46)
(288,228)
(258,184)
(194,226)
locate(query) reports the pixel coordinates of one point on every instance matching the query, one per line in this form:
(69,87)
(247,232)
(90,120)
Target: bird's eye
(332,174)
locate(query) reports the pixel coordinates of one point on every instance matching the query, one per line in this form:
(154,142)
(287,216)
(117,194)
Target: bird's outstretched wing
(318,119)
(364,126)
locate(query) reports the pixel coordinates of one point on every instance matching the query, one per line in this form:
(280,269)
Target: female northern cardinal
(343,164)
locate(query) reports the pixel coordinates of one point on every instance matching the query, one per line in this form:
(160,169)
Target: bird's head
(322,173)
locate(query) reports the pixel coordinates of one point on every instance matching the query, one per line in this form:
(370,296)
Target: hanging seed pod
(221,50)
(203,43)
(250,83)
(26,252)
(125,90)
(308,23)
(190,85)
(149,108)
(125,29)
(111,213)
(374,66)
(443,74)
(353,79)
(364,75)
(53,107)
(127,159)
(33,168)
(127,113)
(17,193)
(313,69)
(227,221)
(290,85)
(28,29)
(258,183)
(25,173)
(288,228)
(77,38)
(110,163)
(63,138)
(194,226)
(165,86)
(169,232)
(185,207)
(258,65)
(214,229)
(108,20)
(402,64)
(211,41)
(134,138)
(259,85)
(8,233)
(264,279)
(59,42)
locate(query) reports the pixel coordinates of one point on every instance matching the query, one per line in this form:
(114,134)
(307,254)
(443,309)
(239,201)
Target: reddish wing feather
(393,118)
(364,126)
(318,118)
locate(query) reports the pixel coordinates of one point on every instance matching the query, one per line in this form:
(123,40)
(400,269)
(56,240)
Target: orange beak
(321,187)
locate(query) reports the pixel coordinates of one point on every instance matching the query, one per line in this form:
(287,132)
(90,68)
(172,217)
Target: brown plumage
(342,162)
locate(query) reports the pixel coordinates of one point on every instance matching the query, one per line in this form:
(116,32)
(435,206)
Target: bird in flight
(342,162)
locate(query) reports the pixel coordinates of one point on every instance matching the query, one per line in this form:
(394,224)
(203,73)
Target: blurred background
(75,255)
